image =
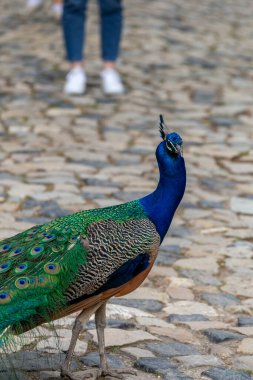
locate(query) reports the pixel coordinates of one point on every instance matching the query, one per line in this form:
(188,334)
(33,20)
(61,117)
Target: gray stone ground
(192,61)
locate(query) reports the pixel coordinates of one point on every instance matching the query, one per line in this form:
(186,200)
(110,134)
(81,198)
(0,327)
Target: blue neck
(161,205)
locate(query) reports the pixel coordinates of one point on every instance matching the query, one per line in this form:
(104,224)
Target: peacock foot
(94,374)
(67,375)
(112,373)
(91,374)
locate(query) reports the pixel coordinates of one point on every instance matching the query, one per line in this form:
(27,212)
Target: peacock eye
(47,237)
(36,251)
(17,251)
(170,146)
(174,145)
(42,281)
(4,297)
(22,282)
(5,267)
(21,268)
(52,268)
(5,248)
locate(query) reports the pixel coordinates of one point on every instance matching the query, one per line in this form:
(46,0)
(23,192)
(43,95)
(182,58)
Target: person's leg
(73,22)
(111,14)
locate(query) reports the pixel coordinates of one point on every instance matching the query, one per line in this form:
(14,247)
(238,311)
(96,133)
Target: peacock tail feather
(38,265)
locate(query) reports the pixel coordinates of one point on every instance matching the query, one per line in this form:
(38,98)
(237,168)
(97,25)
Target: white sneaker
(57,10)
(33,4)
(75,82)
(111,82)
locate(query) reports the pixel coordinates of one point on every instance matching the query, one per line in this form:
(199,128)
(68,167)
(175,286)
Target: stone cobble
(191,61)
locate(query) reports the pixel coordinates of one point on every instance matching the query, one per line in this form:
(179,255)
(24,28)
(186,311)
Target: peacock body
(48,266)
(79,261)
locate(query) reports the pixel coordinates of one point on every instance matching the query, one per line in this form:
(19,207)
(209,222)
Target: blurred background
(191,61)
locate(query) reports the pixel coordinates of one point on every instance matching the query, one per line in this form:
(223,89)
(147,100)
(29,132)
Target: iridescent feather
(38,265)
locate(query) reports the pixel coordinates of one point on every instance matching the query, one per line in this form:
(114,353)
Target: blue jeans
(73,21)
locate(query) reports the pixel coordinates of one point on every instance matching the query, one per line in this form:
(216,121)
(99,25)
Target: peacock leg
(100,319)
(79,325)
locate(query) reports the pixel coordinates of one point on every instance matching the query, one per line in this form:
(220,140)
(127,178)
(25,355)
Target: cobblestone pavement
(193,62)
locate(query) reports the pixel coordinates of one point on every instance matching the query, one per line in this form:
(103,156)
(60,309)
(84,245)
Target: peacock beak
(180,150)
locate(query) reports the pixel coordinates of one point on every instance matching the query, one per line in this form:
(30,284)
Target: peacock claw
(111,374)
(67,375)
(91,374)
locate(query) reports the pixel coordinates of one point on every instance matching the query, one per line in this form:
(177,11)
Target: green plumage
(37,265)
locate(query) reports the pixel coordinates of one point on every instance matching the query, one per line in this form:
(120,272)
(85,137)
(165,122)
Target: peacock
(78,262)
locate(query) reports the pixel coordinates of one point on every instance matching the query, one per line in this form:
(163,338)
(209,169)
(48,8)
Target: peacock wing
(118,251)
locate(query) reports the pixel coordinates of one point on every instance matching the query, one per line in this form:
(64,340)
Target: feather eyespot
(48,237)
(21,268)
(74,238)
(52,268)
(32,282)
(4,298)
(33,231)
(57,248)
(22,282)
(48,281)
(36,251)
(5,247)
(16,252)
(42,281)
(5,267)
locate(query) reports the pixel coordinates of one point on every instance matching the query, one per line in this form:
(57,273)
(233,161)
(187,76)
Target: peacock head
(174,144)
(169,152)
